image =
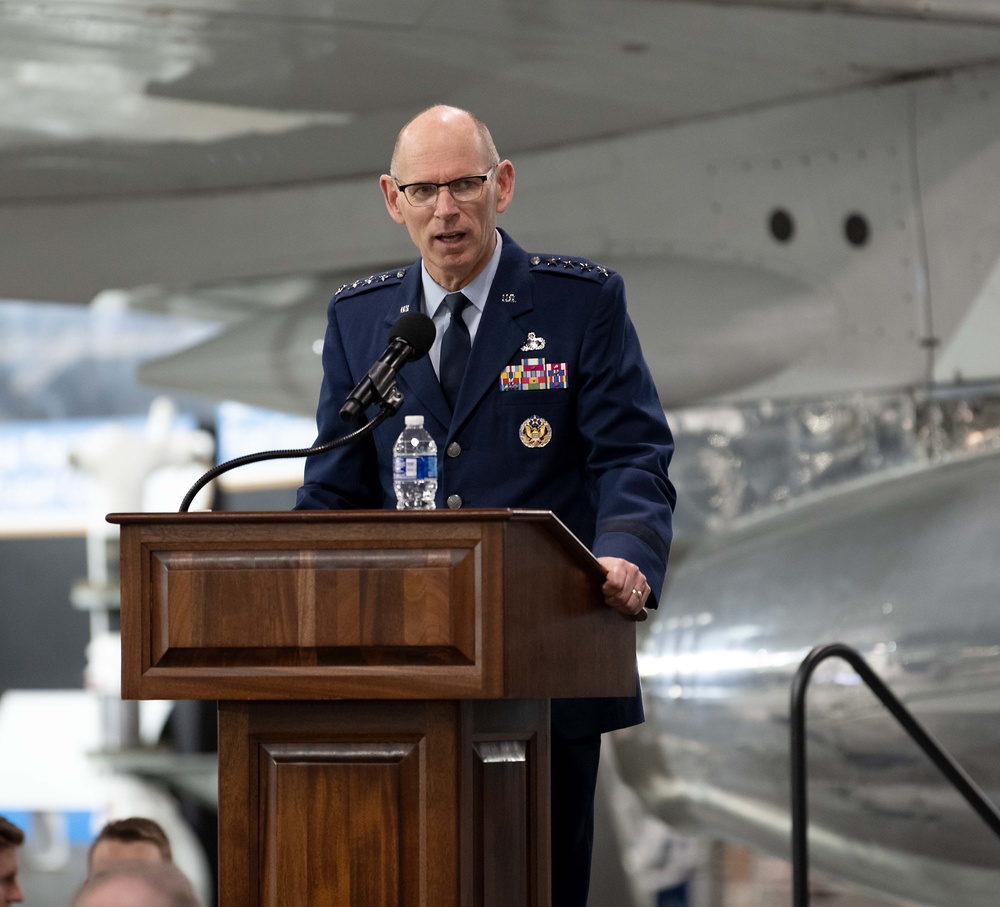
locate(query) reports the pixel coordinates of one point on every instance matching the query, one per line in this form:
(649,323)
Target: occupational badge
(533,343)
(535,432)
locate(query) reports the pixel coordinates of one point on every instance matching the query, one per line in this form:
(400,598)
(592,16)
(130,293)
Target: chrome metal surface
(906,571)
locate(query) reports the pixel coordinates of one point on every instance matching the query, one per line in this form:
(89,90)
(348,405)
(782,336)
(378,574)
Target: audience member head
(135,839)
(134,883)
(11,837)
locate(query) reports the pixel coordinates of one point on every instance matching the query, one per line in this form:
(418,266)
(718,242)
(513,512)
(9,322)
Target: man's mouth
(450,238)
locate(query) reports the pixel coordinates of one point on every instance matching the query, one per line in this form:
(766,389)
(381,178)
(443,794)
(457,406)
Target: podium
(383,681)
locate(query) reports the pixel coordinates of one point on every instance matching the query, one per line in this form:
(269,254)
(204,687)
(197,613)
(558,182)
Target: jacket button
(454,501)
(454,449)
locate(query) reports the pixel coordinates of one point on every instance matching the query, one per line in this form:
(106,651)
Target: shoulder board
(578,267)
(371,282)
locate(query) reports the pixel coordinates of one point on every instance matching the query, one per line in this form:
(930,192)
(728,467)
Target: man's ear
(505,185)
(392,197)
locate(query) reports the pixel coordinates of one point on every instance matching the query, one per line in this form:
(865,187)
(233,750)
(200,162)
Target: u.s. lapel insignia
(508,297)
(535,432)
(533,343)
(404,308)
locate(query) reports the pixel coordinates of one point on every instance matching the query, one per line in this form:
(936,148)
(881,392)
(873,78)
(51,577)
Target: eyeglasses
(464,189)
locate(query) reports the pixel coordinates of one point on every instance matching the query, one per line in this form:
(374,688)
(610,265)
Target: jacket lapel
(417,380)
(498,338)
(499,335)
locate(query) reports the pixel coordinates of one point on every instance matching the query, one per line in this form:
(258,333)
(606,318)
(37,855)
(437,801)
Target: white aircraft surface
(802,199)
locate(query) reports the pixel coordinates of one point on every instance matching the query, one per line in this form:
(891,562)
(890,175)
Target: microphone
(410,338)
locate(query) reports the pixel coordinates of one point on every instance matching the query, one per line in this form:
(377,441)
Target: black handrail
(800,821)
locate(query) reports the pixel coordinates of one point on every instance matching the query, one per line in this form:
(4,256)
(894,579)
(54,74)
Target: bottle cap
(414,421)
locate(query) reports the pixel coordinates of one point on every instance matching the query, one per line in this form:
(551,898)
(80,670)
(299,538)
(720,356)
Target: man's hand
(625,587)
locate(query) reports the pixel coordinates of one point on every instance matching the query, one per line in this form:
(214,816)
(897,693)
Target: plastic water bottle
(415,467)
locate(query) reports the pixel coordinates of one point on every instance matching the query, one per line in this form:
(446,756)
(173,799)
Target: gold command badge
(535,432)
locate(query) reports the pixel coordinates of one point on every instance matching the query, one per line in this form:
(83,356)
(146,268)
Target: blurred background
(801,199)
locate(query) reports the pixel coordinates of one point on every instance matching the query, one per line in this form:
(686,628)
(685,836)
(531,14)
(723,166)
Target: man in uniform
(537,395)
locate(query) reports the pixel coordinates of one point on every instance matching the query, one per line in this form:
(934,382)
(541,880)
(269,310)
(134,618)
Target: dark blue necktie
(455,348)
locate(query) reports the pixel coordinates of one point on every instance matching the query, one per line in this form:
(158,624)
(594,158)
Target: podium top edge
(468,514)
(204,518)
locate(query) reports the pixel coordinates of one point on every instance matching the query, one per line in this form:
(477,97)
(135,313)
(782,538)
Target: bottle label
(423,467)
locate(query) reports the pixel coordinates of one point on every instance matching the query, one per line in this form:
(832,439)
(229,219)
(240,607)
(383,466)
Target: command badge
(535,432)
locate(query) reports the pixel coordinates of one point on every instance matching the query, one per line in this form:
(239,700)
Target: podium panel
(375,803)
(340,607)
(341,822)
(484,604)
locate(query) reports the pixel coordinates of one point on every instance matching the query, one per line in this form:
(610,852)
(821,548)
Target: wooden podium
(383,681)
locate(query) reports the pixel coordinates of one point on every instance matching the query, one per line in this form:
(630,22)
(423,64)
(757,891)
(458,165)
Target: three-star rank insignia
(535,432)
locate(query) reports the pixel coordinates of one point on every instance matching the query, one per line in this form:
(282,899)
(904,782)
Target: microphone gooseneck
(410,338)
(386,410)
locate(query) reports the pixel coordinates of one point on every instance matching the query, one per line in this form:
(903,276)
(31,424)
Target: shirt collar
(476,290)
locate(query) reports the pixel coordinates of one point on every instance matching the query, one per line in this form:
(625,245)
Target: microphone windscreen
(415,329)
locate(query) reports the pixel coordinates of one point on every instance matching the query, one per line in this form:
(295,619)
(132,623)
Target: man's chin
(454,266)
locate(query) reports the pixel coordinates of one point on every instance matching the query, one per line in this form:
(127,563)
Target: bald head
(137,884)
(418,132)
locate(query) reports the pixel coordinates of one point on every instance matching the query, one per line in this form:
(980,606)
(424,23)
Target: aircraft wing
(231,141)
(206,148)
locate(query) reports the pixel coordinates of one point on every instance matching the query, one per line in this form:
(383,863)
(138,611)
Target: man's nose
(445,204)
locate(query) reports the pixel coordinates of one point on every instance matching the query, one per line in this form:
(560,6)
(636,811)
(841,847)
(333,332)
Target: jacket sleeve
(628,440)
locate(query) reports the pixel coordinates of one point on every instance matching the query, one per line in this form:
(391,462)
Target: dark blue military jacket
(555,360)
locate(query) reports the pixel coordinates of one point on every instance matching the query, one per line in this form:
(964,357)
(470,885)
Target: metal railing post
(800,813)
